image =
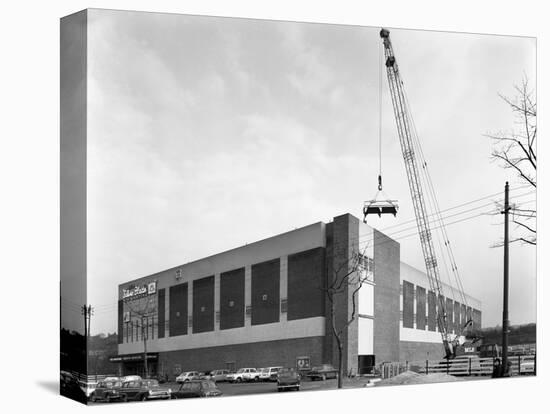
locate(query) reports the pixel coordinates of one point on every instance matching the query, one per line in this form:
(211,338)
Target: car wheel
(257,379)
(124,398)
(239,379)
(323,377)
(143,397)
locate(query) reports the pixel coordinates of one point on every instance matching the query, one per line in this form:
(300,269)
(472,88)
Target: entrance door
(365,364)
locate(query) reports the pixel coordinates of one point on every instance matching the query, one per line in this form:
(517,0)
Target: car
(188,376)
(107,391)
(527,366)
(130,378)
(288,379)
(206,375)
(219,375)
(70,387)
(244,374)
(143,390)
(322,372)
(269,373)
(112,379)
(197,388)
(88,387)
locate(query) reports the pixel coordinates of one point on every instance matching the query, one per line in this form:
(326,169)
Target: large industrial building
(265,304)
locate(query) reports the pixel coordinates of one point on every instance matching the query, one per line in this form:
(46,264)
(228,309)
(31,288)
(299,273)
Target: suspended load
(379,204)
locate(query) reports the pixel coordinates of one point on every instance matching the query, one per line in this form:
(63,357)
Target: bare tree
(141,310)
(516,149)
(345,278)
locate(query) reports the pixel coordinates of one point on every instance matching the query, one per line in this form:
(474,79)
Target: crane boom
(403,121)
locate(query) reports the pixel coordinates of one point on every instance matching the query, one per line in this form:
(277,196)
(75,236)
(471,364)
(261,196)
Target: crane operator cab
(379,205)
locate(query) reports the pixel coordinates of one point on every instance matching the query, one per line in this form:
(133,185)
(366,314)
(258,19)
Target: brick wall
(203,304)
(386,298)
(458,321)
(342,243)
(178,310)
(260,354)
(306,273)
(161,312)
(432,310)
(265,292)
(420,308)
(408,304)
(420,351)
(232,299)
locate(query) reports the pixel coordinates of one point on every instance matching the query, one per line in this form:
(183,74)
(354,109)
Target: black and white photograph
(258,206)
(292,206)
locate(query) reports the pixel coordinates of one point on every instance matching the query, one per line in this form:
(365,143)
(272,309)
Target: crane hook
(379,183)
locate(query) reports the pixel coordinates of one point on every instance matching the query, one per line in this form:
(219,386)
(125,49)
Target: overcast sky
(208,133)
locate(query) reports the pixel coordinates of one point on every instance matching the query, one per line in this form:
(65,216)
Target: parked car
(269,373)
(206,375)
(143,390)
(288,379)
(322,372)
(107,391)
(130,378)
(88,387)
(70,387)
(112,379)
(219,375)
(527,366)
(244,374)
(197,388)
(188,376)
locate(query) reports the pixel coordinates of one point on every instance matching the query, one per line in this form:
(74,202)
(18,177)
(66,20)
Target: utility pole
(505,321)
(87,311)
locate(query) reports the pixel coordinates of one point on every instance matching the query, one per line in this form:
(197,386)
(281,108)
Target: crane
(405,129)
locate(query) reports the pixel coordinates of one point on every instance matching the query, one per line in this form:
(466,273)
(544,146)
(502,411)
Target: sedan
(197,388)
(322,372)
(288,379)
(107,391)
(143,390)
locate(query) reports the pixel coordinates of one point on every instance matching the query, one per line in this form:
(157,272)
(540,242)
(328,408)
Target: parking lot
(250,388)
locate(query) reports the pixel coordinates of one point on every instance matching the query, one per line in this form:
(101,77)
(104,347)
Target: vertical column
(283,288)
(247,295)
(217,302)
(190,307)
(415,326)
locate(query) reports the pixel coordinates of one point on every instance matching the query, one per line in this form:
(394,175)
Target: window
(365,267)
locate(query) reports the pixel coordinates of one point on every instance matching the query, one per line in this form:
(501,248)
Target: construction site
(334,292)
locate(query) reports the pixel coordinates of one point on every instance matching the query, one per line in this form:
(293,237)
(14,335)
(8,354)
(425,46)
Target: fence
(519,365)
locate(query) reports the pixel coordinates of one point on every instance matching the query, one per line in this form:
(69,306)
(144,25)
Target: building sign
(139,291)
(302,362)
(134,357)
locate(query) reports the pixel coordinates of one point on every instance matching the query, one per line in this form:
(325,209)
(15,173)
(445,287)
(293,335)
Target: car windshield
(265,370)
(286,371)
(152,383)
(240,371)
(209,385)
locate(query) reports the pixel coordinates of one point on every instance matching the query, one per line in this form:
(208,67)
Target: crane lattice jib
(405,138)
